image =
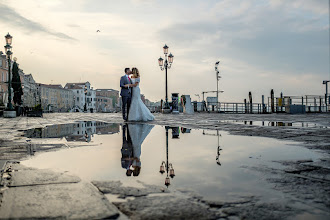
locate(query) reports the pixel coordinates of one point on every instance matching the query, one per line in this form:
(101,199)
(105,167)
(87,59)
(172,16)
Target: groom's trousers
(126,100)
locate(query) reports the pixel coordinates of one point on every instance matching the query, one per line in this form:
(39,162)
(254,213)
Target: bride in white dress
(138,111)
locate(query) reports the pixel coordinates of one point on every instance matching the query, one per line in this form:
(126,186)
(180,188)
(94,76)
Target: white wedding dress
(138,110)
(138,133)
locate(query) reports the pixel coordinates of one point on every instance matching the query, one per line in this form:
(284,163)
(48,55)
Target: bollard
(272,100)
(251,105)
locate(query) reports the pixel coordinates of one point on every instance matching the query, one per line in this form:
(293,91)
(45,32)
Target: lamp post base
(9,114)
(166,111)
(175,112)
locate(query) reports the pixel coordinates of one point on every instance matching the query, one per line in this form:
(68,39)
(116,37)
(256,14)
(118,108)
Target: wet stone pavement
(228,166)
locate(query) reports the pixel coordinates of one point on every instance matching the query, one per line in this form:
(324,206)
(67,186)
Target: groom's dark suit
(127,149)
(126,95)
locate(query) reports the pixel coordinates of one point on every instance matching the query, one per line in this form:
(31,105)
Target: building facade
(107,100)
(55,98)
(30,91)
(104,104)
(3,80)
(83,95)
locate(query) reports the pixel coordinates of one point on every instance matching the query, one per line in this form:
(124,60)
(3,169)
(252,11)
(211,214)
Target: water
(277,124)
(211,163)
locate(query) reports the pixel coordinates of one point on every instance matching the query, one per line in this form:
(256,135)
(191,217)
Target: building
(104,104)
(3,80)
(83,95)
(107,100)
(55,98)
(30,91)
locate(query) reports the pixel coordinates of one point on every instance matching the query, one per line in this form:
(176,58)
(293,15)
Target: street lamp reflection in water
(162,167)
(166,166)
(217,159)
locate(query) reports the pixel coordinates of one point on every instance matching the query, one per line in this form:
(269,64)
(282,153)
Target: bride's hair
(135,72)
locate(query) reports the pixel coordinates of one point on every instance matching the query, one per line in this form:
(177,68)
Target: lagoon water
(216,165)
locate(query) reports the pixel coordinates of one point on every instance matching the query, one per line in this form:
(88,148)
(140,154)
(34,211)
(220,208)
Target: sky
(261,44)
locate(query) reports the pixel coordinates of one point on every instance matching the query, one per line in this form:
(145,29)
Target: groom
(126,92)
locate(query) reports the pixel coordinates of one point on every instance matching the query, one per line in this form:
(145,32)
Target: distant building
(80,98)
(55,98)
(30,91)
(104,104)
(3,80)
(107,100)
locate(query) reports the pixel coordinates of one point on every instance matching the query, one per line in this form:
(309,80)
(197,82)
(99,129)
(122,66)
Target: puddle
(277,124)
(208,162)
(79,131)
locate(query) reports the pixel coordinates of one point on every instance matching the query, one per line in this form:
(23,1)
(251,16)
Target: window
(78,99)
(77,92)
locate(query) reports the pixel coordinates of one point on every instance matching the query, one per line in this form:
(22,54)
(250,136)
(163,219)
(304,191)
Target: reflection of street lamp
(167,65)
(85,91)
(9,53)
(168,166)
(219,148)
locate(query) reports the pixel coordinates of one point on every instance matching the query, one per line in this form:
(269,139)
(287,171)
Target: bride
(138,111)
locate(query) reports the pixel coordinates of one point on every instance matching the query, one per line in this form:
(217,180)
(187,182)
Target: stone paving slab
(40,177)
(69,201)
(166,207)
(33,193)
(115,187)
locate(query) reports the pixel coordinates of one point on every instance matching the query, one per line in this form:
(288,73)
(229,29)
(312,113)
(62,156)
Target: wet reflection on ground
(79,131)
(277,124)
(209,162)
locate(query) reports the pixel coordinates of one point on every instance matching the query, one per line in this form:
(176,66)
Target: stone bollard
(188,108)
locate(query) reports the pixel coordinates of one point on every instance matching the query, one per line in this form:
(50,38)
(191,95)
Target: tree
(16,85)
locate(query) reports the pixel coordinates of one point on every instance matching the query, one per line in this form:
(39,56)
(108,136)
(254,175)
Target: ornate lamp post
(218,77)
(9,53)
(9,112)
(164,66)
(85,106)
(166,165)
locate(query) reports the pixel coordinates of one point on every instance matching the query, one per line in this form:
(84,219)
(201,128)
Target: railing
(312,103)
(235,107)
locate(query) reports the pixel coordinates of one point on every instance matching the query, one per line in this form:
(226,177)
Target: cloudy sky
(261,44)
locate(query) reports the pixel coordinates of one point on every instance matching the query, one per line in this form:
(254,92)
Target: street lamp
(9,53)
(218,77)
(164,66)
(166,165)
(85,106)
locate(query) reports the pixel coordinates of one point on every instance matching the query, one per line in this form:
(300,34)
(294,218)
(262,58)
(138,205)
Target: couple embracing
(131,97)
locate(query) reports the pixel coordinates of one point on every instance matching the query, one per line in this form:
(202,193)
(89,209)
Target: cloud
(266,37)
(8,15)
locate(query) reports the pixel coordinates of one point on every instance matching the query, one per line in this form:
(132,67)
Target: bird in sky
(98,31)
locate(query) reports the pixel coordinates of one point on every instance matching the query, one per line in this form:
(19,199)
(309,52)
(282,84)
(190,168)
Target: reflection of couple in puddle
(133,137)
